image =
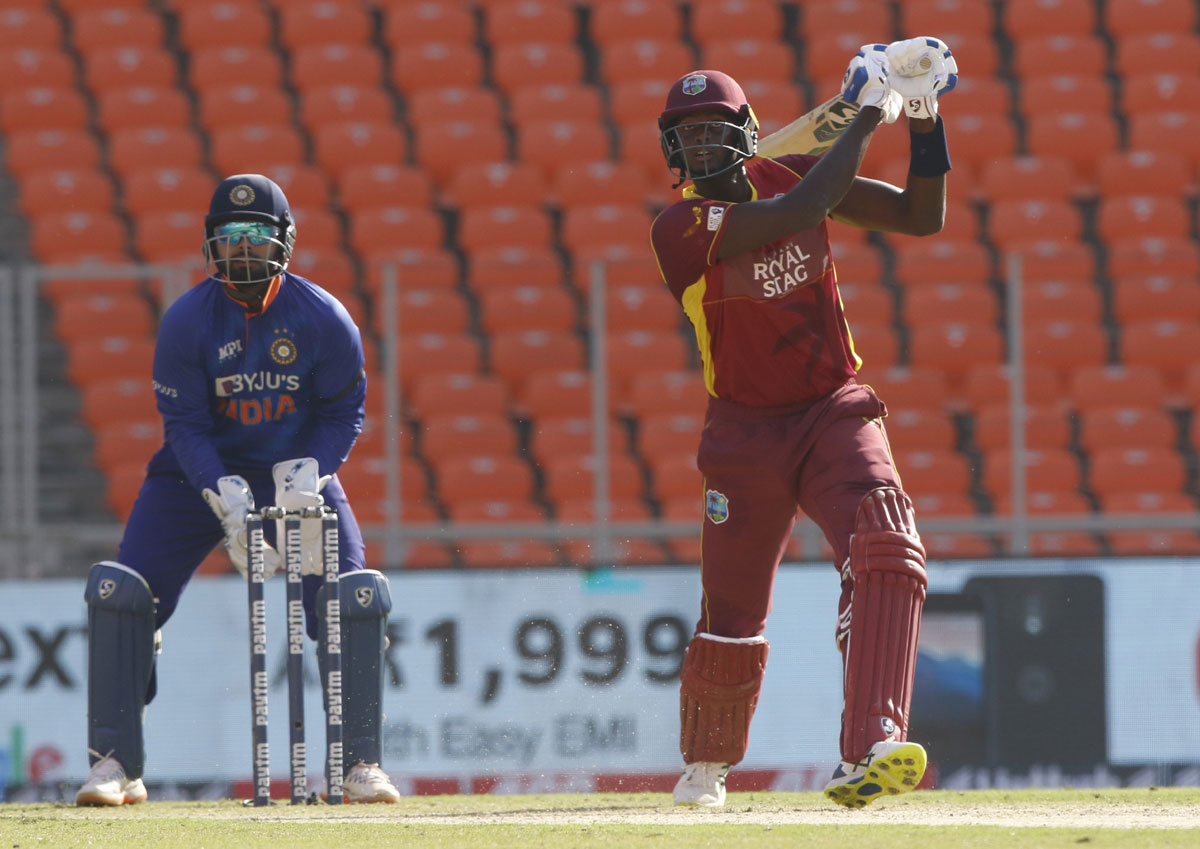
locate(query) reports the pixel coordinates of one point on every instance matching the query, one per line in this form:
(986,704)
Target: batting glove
(231,502)
(298,485)
(923,69)
(866,82)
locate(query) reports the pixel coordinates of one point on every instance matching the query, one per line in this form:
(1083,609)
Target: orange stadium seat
(454,103)
(76,190)
(29,28)
(168,237)
(1054,259)
(463,477)
(1156,91)
(747,19)
(527,308)
(497,510)
(571,476)
(154,147)
(477,433)
(554,435)
(324,105)
(948,302)
(324,22)
(1064,544)
(507,553)
(551,144)
(826,57)
(227,107)
(249,147)
(516,354)
(329,269)
(631,306)
(598,181)
(1155,296)
(63,236)
(1028,178)
(1084,53)
(974,16)
(420,268)
(29,67)
(920,261)
(1061,300)
(142,106)
(496,184)
(304,185)
(551,392)
(361,186)
(436,65)
(638,58)
(322,229)
(1126,427)
(1127,216)
(955,346)
(523,21)
(1047,92)
(121,67)
(204,25)
(1154,542)
(1017,222)
(107,314)
(775,102)
(990,383)
(434,310)
(905,386)
(221,66)
(1146,502)
(1116,469)
(752,58)
(1163,344)
(376,229)
(1152,255)
(458,393)
(640,100)
(1137,16)
(365,479)
(557,101)
(424,354)
(501,226)
(127,443)
(339,145)
(584,226)
(316,65)
(1040,502)
(108,357)
(442,148)
(980,137)
(42,109)
(933,470)
(508,266)
(1034,18)
(1048,469)
(1141,172)
(875,343)
(1065,344)
(1082,137)
(657,19)
(641,143)
(1166,131)
(1157,52)
(116,26)
(526,63)
(1047,426)
(661,389)
(916,428)
(659,433)
(823,17)
(942,505)
(414,24)
(673,474)
(628,352)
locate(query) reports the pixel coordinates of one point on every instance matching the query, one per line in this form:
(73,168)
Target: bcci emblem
(364,595)
(283,351)
(693,84)
(241,195)
(107,587)
(716,506)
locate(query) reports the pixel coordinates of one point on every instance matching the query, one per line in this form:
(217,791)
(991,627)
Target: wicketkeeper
(259,378)
(747,255)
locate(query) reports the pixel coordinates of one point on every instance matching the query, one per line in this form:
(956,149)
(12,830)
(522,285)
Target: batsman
(746,253)
(259,378)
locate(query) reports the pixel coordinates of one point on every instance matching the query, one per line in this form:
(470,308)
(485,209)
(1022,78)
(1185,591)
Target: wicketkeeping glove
(866,82)
(298,484)
(232,501)
(923,69)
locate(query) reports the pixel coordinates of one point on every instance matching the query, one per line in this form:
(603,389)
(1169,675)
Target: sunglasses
(256,232)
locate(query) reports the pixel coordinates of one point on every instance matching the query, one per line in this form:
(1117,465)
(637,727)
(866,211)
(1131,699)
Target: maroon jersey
(769,323)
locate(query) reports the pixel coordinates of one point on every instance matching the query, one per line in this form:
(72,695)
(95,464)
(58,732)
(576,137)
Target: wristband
(930,156)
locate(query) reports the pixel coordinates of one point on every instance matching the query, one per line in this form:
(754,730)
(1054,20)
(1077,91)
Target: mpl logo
(229,349)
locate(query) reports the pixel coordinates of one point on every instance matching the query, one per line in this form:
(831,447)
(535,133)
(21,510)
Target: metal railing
(31,546)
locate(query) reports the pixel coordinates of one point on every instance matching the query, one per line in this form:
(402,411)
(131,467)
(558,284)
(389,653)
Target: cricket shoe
(366,783)
(107,784)
(702,783)
(887,769)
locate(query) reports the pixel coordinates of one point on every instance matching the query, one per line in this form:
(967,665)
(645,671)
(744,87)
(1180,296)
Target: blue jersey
(240,391)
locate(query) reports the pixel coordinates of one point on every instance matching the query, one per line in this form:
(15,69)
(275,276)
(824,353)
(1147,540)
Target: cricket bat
(814,132)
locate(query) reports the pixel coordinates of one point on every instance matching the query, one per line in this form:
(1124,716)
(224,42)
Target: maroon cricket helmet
(701,91)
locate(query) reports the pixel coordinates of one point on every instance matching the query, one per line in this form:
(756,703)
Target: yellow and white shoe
(367,783)
(702,783)
(107,784)
(888,769)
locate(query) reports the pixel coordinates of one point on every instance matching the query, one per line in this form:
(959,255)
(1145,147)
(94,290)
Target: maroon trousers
(759,466)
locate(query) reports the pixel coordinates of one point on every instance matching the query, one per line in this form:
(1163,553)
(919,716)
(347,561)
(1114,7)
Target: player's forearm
(823,188)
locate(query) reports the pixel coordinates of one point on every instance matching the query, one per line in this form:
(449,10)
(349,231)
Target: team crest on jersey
(107,587)
(242,195)
(283,351)
(694,84)
(364,595)
(716,506)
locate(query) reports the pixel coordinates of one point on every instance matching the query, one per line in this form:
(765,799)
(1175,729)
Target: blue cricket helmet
(252,197)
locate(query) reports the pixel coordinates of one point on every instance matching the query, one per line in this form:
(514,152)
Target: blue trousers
(171,530)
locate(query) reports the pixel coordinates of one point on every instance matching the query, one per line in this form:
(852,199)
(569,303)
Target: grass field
(1030,819)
